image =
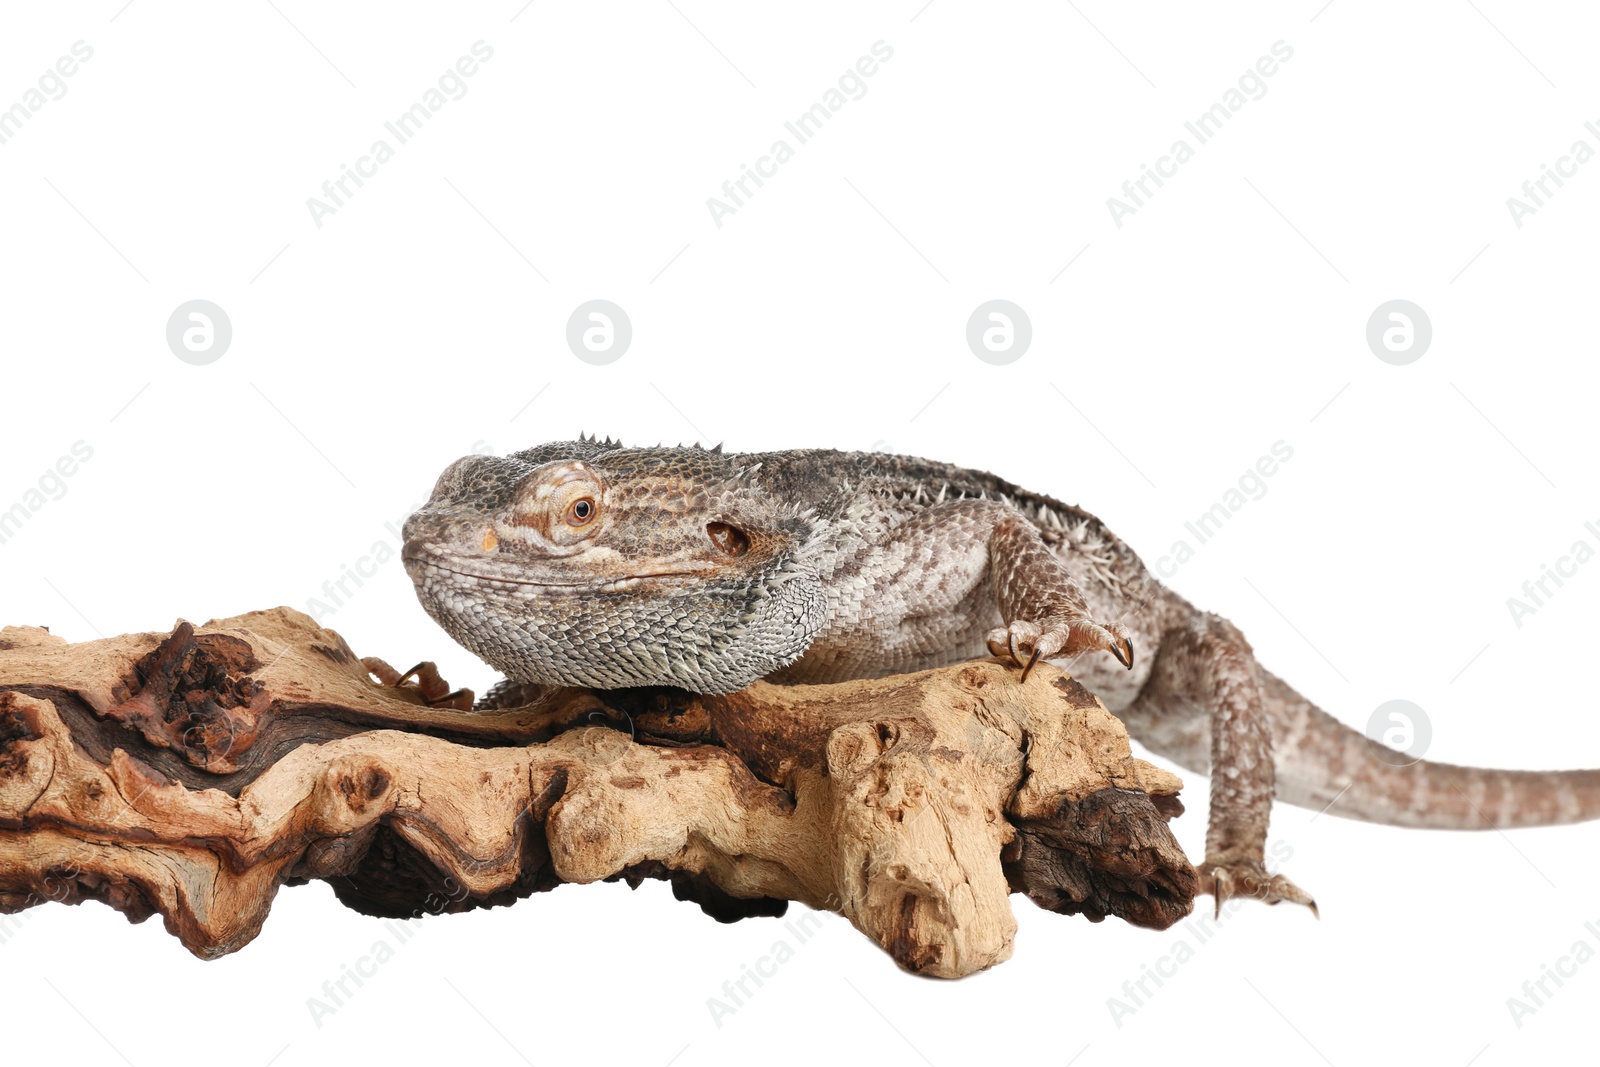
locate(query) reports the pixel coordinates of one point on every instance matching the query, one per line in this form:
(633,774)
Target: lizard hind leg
(1204,670)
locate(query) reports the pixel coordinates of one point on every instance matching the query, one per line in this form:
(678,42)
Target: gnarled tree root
(195,772)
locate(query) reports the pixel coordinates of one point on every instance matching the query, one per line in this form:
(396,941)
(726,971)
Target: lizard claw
(1025,642)
(1029,665)
(1250,879)
(1124,658)
(435,691)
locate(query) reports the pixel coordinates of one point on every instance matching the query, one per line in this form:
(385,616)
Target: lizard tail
(1323,764)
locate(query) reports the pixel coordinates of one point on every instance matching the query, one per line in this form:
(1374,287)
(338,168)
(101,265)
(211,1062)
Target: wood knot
(605,745)
(855,746)
(17,725)
(974,676)
(194,694)
(362,787)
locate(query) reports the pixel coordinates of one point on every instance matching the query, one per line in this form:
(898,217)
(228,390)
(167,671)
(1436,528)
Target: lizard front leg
(1041,603)
(1205,667)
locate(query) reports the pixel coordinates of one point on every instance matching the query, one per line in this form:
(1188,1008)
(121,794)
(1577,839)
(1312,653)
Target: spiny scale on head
(610,443)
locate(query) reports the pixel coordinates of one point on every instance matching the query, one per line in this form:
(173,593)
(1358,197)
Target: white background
(426,317)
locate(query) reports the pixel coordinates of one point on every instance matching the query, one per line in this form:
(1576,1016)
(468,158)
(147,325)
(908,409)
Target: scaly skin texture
(586,563)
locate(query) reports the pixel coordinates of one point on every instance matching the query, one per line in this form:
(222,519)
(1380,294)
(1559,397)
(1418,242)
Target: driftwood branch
(193,773)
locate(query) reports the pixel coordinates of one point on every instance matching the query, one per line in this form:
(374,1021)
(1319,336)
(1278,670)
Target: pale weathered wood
(191,774)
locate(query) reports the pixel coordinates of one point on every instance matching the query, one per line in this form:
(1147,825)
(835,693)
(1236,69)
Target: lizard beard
(710,640)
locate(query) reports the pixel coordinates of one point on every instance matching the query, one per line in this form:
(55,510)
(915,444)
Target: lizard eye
(730,539)
(581,511)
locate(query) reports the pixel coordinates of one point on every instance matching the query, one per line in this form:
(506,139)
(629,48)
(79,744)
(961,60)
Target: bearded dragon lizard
(585,563)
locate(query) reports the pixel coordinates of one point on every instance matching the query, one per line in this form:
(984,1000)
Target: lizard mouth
(608,585)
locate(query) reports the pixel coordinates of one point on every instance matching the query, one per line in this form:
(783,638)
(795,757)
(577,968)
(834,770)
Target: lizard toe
(1025,642)
(998,640)
(1020,642)
(1227,880)
(435,691)
(1087,635)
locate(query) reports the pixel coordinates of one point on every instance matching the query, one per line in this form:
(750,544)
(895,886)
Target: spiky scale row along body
(587,563)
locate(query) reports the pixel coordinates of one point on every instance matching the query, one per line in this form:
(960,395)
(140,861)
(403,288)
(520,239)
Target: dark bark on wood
(191,774)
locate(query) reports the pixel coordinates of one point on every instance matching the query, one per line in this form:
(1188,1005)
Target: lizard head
(585,563)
